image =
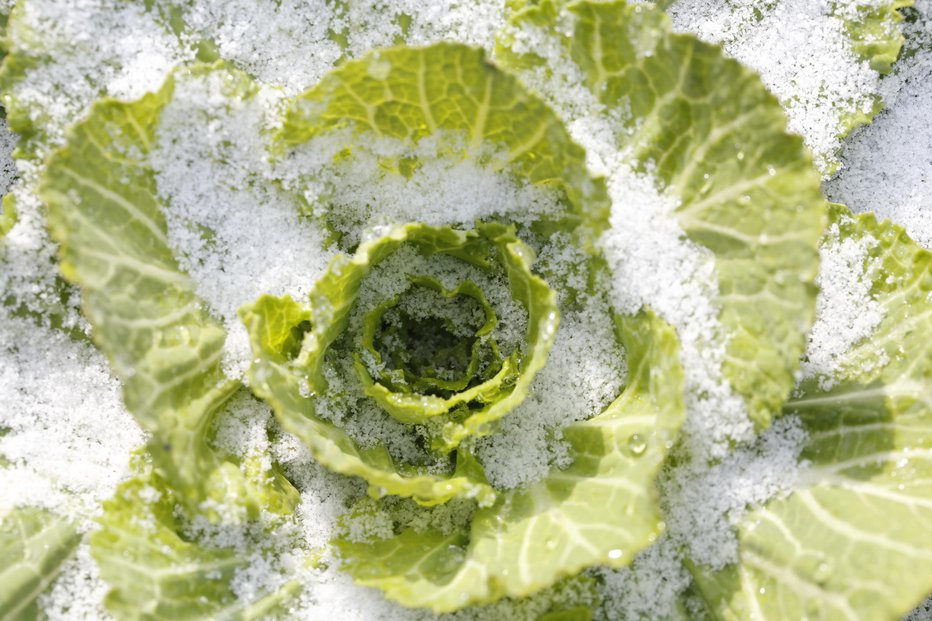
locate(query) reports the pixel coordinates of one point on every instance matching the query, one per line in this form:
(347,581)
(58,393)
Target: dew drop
(614,554)
(550,543)
(822,573)
(637,444)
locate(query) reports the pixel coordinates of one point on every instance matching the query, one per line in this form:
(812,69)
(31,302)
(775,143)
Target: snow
(645,239)
(649,588)
(69,436)
(67,449)
(845,310)
(234,232)
(357,191)
(290,43)
(654,265)
(77,594)
(66,445)
(803,53)
(887,166)
(585,371)
(703,502)
(923,611)
(7,165)
(88,48)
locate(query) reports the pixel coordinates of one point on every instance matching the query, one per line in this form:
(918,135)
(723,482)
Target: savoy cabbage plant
(550,321)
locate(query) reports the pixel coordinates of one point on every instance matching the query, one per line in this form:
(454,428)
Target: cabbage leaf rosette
(452,317)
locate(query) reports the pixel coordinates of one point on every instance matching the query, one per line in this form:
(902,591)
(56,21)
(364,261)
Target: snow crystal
(29,260)
(445,188)
(703,502)
(887,165)
(7,164)
(584,373)
(654,265)
(649,588)
(77,594)
(652,262)
(286,44)
(293,43)
(232,230)
(377,23)
(68,434)
(845,310)
(242,429)
(88,49)
(923,612)
(643,233)
(803,53)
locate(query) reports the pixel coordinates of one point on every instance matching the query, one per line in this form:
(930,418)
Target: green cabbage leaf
(713,138)
(851,540)
(34,543)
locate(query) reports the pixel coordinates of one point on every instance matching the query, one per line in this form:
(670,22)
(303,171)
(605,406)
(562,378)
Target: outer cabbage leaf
(862,35)
(33,545)
(157,573)
(852,540)
(877,40)
(712,136)
(146,318)
(875,36)
(600,510)
(33,54)
(282,361)
(160,340)
(411,93)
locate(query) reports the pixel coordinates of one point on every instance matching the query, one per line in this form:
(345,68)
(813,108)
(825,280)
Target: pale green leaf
(713,137)
(875,37)
(287,355)
(146,318)
(158,573)
(160,340)
(411,93)
(852,542)
(7,214)
(600,510)
(34,543)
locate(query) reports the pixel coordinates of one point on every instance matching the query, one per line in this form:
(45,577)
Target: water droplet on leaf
(822,572)
(637,444)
